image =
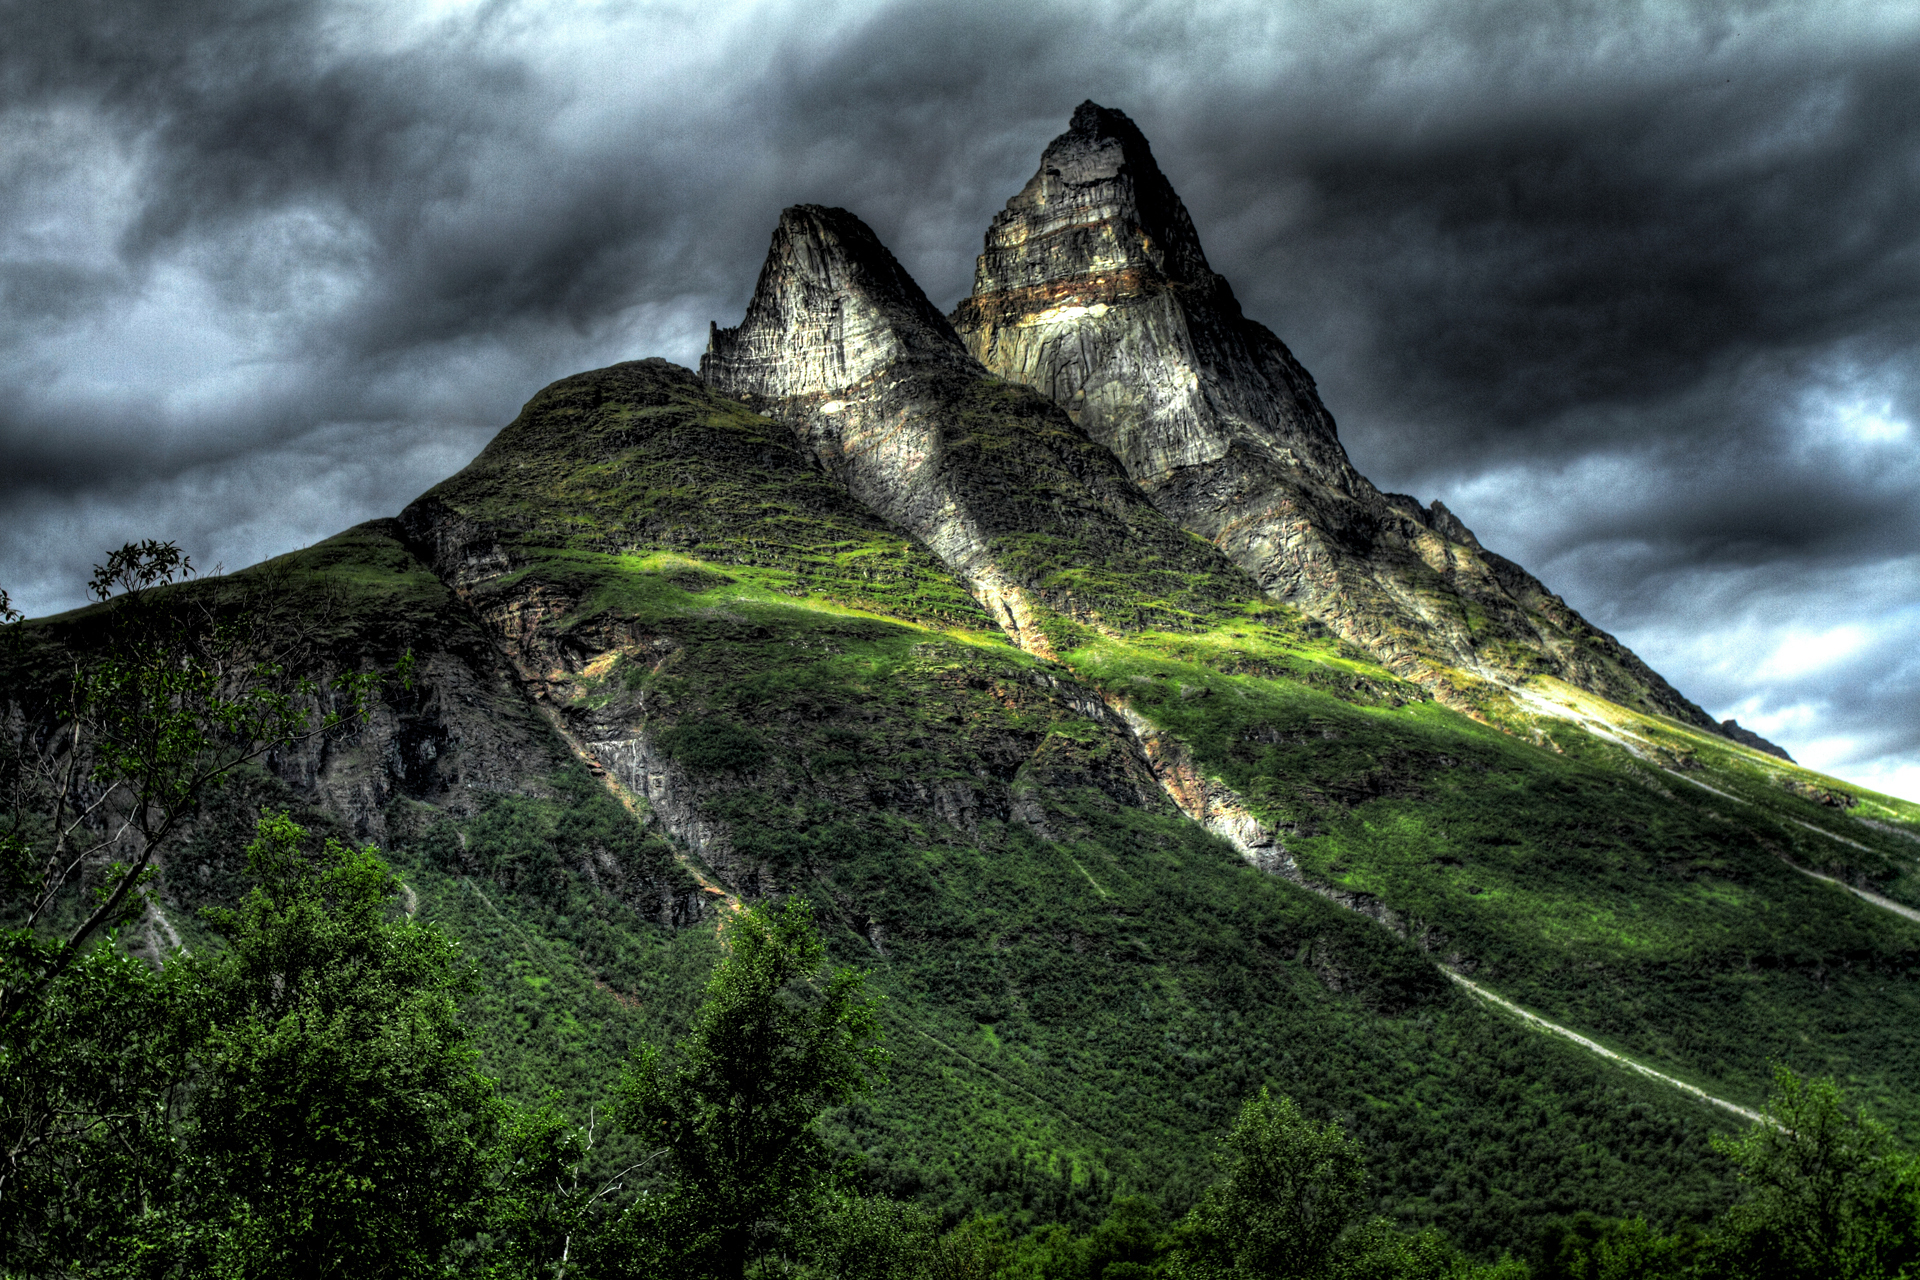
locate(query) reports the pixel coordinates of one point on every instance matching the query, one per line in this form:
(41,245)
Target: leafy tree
(339,1127)
(868,1238)
(1125,1246)
(1592,1248)
(1287,1190)
(732,1112)
(163,694)
(180,691)
(1380,1252)
(979,1249)
(91,1112)
(1828,1194)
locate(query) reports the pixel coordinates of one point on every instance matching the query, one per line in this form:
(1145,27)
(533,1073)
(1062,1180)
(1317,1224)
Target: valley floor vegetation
(300,1093)
(306,1102)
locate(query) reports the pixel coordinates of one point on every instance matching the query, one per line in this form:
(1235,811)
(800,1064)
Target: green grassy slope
(1609,890)
(1085,1014)
(1083,984)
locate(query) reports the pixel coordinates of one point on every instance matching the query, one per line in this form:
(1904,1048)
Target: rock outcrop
(1094,290)
(1037,520)
(1748,738)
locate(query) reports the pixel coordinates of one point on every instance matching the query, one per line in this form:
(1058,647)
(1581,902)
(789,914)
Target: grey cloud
(1594,274)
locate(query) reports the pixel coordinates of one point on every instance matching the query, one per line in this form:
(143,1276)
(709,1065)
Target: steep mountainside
(1094,289)
(1037,520)
(805,700)
(1119,735)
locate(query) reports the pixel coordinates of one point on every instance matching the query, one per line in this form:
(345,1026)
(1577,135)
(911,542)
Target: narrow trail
(1831,836)
(1885,904)
(1015,1085)
(1535,1020)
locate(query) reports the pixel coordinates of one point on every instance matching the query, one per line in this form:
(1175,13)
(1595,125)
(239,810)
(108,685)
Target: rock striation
(1093,289)
(1037,520)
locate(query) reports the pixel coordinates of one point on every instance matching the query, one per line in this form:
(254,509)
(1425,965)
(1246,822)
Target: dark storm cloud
(1634,288)
(1521,267)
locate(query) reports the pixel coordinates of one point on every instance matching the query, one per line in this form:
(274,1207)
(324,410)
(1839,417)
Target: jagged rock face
(995,480)
(1094,289)
(832,309)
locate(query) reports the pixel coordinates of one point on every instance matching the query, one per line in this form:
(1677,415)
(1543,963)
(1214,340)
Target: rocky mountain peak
(841,346)
(1100,177)
(1092,288)
(832,308)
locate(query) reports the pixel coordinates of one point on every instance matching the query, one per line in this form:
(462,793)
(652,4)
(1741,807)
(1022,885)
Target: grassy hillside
(1083,985)
(1640,887)
(664,659)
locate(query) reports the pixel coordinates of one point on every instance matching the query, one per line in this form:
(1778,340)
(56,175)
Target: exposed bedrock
(1094,289)
(995,479)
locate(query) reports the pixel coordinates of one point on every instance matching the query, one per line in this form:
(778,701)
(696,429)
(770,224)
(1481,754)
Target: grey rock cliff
(841,345)
(1094,290)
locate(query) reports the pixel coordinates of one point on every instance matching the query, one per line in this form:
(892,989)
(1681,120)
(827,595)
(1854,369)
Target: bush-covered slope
(1084,983)
(663,659)
(1647,896)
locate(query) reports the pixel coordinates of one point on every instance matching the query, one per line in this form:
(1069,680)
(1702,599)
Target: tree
(1828,1194)
(1594,1248)
(775,1042)
(111,737)
(339,1125)
(1287,1190)
(869,1238)
(176,692)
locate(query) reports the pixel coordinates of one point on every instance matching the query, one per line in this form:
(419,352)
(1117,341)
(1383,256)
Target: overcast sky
(1634,289)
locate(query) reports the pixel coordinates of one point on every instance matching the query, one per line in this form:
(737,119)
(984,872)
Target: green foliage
(714,746)
(1288,1190)
(539,1203)
(1828,1195)
(161,697)
(1127,1245)
(1377,1251)
(642,457)
(1590,1248)
(867,1238)
(1284,1205)
(169,701)
(339,1127)
(734,1110)
(1579,881)
(87,1088)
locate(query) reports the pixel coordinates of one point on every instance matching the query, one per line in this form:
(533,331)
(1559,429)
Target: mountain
(1141,750)
(1095,290)
(1039,522)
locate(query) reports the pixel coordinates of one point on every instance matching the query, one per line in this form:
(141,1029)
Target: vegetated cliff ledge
(1093,288)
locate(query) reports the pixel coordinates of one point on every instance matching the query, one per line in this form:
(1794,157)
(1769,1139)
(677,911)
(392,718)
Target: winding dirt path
(1885,904)
(1534,1019)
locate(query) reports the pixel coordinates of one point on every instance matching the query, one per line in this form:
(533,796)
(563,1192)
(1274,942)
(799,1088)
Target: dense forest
(313,1077)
